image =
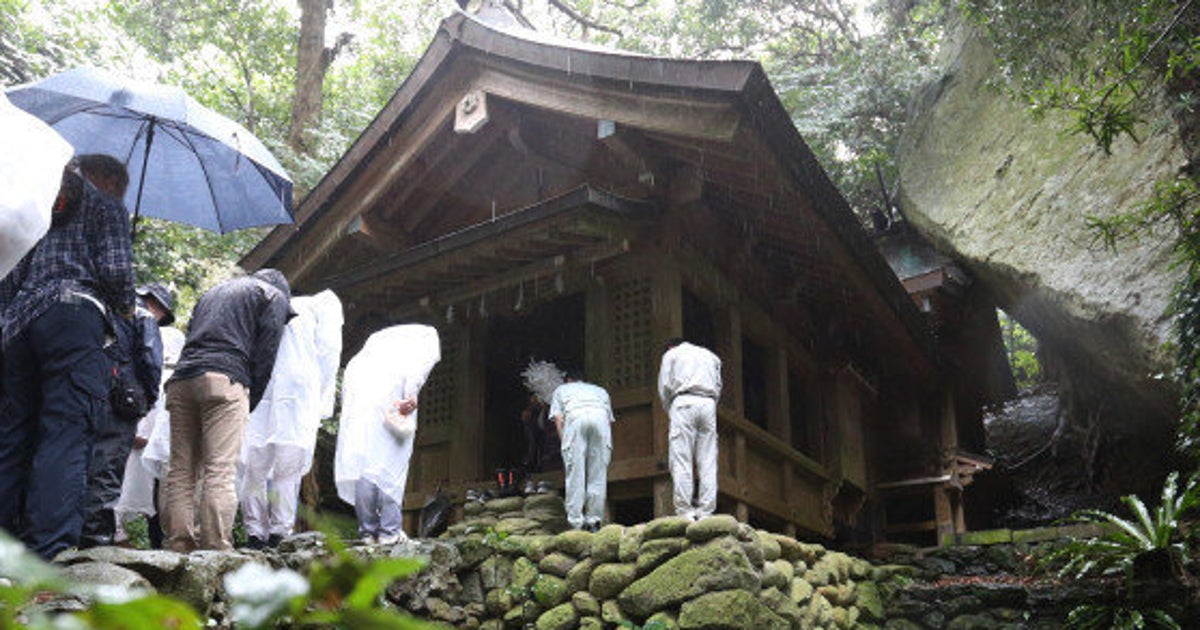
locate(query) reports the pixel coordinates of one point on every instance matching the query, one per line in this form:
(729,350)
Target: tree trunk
(310,74)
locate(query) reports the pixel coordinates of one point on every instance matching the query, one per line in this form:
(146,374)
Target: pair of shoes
(530,487)
(369,541)
(391,540)
(273,540)
(592,527)
(476,496)
(253,542)
(544,487)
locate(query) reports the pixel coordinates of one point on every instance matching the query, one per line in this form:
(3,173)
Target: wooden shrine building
(534,198)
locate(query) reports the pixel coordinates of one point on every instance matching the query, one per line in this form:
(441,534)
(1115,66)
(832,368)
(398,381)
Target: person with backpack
(55,312)
(138,356)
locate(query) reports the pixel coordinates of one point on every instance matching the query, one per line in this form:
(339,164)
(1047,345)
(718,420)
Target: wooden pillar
(667,322)
(468,448)
(597,344)
(943,514)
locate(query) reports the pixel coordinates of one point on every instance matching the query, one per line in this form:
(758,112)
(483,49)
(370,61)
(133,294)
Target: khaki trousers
(208,415)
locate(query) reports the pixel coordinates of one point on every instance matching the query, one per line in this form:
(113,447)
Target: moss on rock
(524,572)
(549,590)
(720,565)
(580,574)
(606,544)
(610,580)
(574,542)
(711,527)
(655,552)
(557,564)
(561,617)
(733,609)
(631,543)
(586,604)
(666,527)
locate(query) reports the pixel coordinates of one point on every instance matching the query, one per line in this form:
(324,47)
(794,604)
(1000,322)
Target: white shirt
(689,369)
(570,399)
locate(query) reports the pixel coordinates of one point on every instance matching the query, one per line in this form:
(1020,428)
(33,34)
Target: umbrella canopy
(32,158)
(186,162)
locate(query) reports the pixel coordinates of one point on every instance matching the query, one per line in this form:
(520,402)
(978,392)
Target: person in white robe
(379,423)
(281,435)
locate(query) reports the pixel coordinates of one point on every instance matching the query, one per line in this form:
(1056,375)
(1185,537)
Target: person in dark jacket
(55,308)
(222,372)
(114,437)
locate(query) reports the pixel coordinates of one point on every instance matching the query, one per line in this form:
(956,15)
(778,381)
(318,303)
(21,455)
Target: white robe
(32,157)
(301,392)
(393,365)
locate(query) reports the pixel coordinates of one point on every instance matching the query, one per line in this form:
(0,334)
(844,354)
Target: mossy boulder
(801,590)
(533,546)
(772,550)
(790,549)
(818,613)
(711,527)
(472,550)
(496,572)
(666,527)
(781,604)
(609,580)
(611,613)
(561,617)
(498,602)
(549,591)
(574,542)
(754,552)
(631,543)
(777,574)
(869,601)
(557,564)
(504,505)
(580,574)
(720,565)
(658,551)
(517,525)
(586,604)
(606,544)
(524,572)
(591,623)
(661,620)
(732,609)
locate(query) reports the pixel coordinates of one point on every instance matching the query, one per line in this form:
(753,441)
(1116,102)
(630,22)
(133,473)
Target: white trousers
(268,500)
(586,451)
(693,442)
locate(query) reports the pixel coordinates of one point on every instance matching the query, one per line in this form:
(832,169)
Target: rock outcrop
(1009,197)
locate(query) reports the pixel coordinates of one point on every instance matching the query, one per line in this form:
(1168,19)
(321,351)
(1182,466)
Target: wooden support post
(742,512)
(667,289)
(943,514)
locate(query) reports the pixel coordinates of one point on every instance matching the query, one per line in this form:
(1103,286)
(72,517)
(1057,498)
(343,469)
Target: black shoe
(273,540)
(253,542)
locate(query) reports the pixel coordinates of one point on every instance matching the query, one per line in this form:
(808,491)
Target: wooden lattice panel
(437,397)
(632,340)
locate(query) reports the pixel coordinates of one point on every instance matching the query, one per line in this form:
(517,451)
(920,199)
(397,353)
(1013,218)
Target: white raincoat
(157,453)
(393,365)
(32,158)
(301,392)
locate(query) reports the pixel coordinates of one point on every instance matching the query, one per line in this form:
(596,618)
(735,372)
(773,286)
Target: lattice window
(438,395)
(632,343)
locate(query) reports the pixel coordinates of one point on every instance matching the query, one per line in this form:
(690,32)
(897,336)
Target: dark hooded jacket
(235,330)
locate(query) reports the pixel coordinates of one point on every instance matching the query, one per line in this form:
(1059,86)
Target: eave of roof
(743,81)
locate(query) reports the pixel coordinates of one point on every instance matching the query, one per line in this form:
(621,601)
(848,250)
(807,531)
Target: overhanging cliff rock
(1009,198)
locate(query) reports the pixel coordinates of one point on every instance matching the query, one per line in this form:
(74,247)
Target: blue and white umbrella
(186,162)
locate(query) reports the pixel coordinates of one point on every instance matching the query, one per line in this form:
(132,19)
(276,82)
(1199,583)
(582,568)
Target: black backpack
(137,367)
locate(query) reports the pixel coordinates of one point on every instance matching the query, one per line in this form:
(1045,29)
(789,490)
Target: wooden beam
(689,117)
